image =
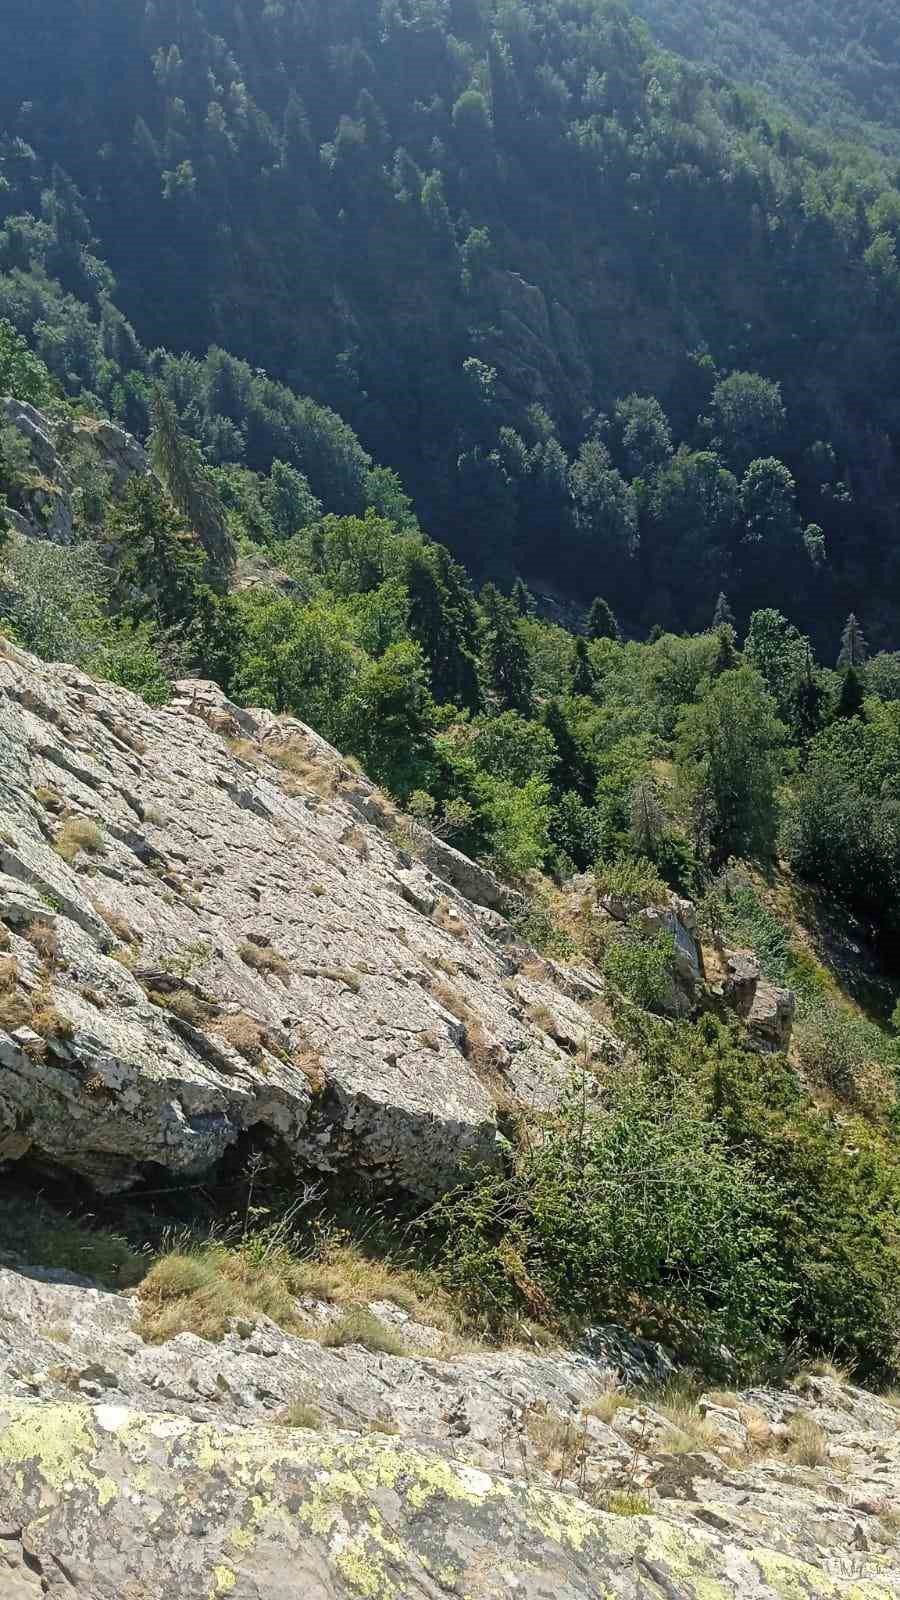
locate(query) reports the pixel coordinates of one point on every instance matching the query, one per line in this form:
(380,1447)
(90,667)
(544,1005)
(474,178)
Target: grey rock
(227,891)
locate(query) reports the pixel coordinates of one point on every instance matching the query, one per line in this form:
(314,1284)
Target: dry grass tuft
(361,1326)
(43,937)
(49,1023)
(76,835)
(201,1290)
(50,799)
(263,958)
(355,840)
(184,1005)
(445,917)
(117,924)
(807,1444)
(302,1414)
(245,1035)
(606,1405)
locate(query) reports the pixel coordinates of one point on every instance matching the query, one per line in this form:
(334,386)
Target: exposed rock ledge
(242,952)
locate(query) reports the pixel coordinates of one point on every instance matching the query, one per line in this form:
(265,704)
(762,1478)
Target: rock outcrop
(43,505)
(214,937)
(130,1471)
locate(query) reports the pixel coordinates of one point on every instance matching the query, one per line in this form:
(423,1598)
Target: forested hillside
(615,325)
(834,62)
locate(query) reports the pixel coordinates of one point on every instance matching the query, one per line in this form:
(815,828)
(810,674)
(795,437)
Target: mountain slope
(833,63)
(472,229)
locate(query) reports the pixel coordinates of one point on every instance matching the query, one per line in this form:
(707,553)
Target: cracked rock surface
(240,950)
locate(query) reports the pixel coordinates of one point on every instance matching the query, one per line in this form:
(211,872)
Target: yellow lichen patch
(223,1581)
(58,1438)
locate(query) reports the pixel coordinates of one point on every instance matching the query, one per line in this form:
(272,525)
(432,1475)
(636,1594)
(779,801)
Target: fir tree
(723,616)
(583,680)
(179,462)
(573,769)
(506,658)
(852,695)
(854,650)
(601,624)
(726,656)
(522,599)
(809,707)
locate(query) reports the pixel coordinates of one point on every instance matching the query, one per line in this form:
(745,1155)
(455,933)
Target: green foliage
(843,826)
(21,372)
(731,756)
(576,1225)
(640,967)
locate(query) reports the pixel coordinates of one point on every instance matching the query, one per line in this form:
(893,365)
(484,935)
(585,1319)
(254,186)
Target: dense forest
(836,63)
(617,325)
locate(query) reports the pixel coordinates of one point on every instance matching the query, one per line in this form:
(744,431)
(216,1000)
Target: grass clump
(200,1288)
(264,958)
(807,1444)
(360,1326)
(43,937)
(77,835)
(302,1414)
(627,1503)
(184,1005)
(41,1236)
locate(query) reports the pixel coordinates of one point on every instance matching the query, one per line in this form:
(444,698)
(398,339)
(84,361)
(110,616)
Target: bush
(633,880)
(637,1213)
(640,967)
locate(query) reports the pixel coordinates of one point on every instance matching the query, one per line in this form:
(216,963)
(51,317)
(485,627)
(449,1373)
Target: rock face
(44,508)
(129,1471)
(211,944)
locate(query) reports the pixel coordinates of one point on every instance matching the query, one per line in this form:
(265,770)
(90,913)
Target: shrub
(264,959)
(633,1212)
(633,880)
(641,968)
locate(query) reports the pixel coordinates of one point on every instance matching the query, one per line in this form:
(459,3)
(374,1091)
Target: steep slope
(474,230)
(209,946)
(835,64)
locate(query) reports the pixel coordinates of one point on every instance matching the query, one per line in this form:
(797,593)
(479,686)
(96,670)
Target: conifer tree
(854,649)
(508,667)
(583,680)
(573,769)
(179,462)
(852,695)
(601,624)
(522,599)
(726,656)
(723,616)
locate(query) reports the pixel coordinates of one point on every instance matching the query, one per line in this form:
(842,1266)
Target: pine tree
(601,624)
(809,702)
(574,771)
(506,658)
(723,615)
(648,816)
(522,599)
(854,650)
(726,656)
(178,461)
(852,695)
(583,680)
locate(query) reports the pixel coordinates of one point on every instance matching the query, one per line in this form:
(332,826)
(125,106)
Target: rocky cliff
(218,938)
(216,933)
